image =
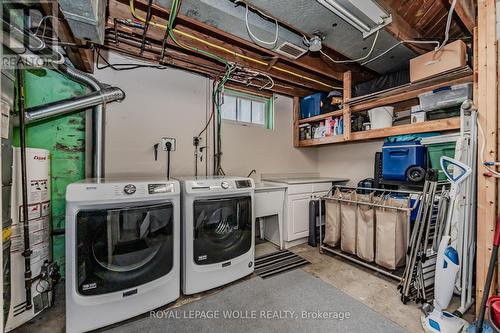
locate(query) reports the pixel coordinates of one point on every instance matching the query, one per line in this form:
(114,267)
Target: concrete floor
(373,289)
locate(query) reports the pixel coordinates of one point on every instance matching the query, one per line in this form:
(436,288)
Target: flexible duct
(72,105)
(97,118)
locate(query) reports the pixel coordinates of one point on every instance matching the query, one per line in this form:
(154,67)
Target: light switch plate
(164,143)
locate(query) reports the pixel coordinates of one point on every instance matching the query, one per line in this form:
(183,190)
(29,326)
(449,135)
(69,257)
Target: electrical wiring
(397,44)
(255,38)
(247,76)
(485,163)
(217,94)
(439,45)
(225,50)
(351,61)
(122,67)
(43,21)
(28,34)
(448,25)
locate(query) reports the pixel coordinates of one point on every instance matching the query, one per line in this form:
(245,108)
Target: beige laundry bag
(390,234)
(332,220)
(365,231)
(348,224)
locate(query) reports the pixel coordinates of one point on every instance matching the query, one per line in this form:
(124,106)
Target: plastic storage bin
(435,151)
(310,106)
(445,97)
(398,157)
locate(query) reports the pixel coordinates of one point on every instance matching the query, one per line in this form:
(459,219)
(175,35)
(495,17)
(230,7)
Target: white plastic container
(445,97)
(381,117)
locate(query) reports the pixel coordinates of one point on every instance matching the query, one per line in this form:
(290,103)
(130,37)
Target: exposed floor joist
(81,57)
(310,73)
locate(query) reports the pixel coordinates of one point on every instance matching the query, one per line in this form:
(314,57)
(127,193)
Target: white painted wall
(267,151)
(173,103)
(158,103)
(354,160)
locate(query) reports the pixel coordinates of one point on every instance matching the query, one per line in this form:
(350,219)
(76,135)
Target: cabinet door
(298,216)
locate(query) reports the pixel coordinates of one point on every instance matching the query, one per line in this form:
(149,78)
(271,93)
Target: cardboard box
(450,57)
(418,117)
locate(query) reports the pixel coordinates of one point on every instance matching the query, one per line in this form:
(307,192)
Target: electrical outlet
(197,140)
(164,144)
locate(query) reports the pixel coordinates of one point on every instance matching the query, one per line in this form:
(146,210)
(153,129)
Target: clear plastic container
(445,97)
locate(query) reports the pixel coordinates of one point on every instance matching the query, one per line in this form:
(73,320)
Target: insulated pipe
(97,118)
(73,105)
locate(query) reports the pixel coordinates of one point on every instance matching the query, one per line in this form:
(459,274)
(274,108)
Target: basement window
(247,109)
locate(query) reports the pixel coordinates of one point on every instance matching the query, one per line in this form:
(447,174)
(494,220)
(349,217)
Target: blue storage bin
(398,157)
(310,106)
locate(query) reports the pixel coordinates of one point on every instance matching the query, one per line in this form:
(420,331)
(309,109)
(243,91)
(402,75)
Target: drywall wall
(158,103)
(267,151)
(354,161)
(173,103)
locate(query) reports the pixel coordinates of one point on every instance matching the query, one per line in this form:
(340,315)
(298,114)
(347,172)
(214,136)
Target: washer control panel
(129,189)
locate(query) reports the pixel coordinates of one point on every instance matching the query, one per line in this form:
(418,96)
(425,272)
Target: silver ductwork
(72,105)
(86,19)
(97,117)
(97,99)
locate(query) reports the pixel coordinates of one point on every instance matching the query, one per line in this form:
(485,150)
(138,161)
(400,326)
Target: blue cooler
(398,157)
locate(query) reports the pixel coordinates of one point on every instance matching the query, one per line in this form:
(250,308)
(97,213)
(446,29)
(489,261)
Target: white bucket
(381,117)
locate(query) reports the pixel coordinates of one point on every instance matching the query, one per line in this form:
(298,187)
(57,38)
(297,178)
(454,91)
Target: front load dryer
(217,231)
(122,250)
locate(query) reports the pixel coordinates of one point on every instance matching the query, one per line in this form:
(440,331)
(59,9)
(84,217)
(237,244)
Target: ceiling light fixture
(377,17)
(315,44)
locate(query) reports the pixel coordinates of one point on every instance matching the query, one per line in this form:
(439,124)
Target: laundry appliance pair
(132,245)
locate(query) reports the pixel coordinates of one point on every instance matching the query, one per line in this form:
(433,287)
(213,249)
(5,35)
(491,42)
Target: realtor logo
(30,33)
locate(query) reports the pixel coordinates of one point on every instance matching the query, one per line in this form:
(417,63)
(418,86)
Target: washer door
(123,248)
(222,229)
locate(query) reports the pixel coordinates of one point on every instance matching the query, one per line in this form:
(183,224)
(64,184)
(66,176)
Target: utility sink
(268,186)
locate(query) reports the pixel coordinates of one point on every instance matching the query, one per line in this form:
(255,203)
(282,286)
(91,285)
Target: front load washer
(217,231)
(122,250)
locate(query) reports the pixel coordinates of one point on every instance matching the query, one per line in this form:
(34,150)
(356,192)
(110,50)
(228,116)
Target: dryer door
(119,249)
(222,229)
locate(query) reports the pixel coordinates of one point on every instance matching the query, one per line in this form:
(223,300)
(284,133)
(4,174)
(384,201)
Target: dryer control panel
(246,183)
(218,184)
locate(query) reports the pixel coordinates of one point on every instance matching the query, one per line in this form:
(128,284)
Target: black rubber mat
(278,263)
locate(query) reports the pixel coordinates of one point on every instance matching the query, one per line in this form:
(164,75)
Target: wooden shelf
(322,141)
(407,95)
(440,125)
(321,117)
(400,97)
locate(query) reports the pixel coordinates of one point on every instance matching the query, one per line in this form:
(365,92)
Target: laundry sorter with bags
(369,227)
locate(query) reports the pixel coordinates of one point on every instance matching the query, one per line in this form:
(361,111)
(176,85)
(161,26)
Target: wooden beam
(296,122)
(81,58)
(347,109)
(188,62)
(446,124)
(312,64)
(278,75)
(466,11)
(402,30)
(486,97)
(226,50)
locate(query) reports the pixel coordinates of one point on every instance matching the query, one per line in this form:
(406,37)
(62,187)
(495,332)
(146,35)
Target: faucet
(251,173)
